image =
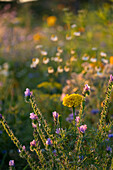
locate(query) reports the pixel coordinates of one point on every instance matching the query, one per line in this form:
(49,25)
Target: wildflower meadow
(56,85)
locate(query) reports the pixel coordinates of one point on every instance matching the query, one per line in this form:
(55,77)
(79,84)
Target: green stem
(73,114)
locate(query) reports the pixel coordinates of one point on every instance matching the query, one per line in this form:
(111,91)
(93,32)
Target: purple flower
(0,116)
(48,141)
(11,163)
(77,119)
(27,93)
(109,149)
(111,78)
(70,117)
(33,116)
(83,128)
(54,152)
(58,130)
(55,115)
(34,125)
(33,143)
(81,157)
(94,111)
(110,135)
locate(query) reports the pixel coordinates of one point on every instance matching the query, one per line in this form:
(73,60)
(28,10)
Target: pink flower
(11,163)
(34,125)
(23,147)
(33,143)
(27,93)
(111,78)
(33,116)
(83,128)
(77,119)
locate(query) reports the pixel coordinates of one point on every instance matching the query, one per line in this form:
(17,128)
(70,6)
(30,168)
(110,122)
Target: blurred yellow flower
(51,20)
(111,60)
(36,37)
(72,100)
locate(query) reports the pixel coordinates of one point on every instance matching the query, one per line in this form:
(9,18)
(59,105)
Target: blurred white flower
(77,34)
(102,54)
(34,63)
(73,26)
(93,60)
(66,68)
(68,37)
(72,52)
(85,58)
(58,54)
(43,52)
(6,66)
(98,69)
(54,38)
(50,70)
(73,58)
(45,60)
(60,69)
(38,46)
(59,50)
(94,48)
(105,61)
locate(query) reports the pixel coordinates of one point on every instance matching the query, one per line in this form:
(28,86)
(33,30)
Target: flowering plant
(70,148)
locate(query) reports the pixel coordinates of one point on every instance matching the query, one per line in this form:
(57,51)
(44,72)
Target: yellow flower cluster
(72,100)
(51,20)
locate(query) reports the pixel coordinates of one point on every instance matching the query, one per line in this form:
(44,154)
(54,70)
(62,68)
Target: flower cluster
(33,116)
(72,100)
(48,141)
(11,163)
(82,128)
(28,94)
(70,148)
(55,115)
